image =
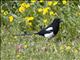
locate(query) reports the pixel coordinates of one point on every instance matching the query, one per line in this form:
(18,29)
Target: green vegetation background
(64,46)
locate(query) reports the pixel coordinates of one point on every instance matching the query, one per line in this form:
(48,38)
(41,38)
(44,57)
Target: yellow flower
(25,5)
(5,13)
(55,3)
(49,3)
(11,18)
(52,13)
(45,10)
(64,1)
(30,23)
(21,9)
(41,0)
(33,1)
(29,18)
(40,10)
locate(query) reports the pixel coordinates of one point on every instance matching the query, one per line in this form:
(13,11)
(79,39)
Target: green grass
(64,46)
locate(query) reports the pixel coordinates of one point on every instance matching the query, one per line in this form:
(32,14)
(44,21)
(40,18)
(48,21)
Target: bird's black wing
(43,31)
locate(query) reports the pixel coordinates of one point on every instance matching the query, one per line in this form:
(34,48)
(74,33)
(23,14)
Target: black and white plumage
(51,30)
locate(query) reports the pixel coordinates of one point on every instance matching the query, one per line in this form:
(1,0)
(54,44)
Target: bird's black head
(55,25)
(57,20)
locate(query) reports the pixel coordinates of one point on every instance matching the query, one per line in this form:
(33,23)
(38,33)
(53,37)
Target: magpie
(50,31)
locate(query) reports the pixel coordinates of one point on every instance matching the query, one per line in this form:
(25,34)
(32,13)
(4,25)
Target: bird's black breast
(55,28)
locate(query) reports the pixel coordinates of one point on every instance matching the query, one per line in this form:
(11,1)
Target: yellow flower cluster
(55,3)
(40,9)
(44,10)
(23,7)
(29,20)
(52,3)
(11,18)
(64,1)
(52,13)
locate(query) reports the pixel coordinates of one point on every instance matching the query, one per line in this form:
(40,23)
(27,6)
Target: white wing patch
(49,34)
(50,28)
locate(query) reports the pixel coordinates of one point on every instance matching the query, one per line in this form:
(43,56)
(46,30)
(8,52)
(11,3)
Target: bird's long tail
(24,34)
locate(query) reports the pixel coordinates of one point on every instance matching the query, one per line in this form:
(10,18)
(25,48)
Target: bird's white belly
(49,35)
